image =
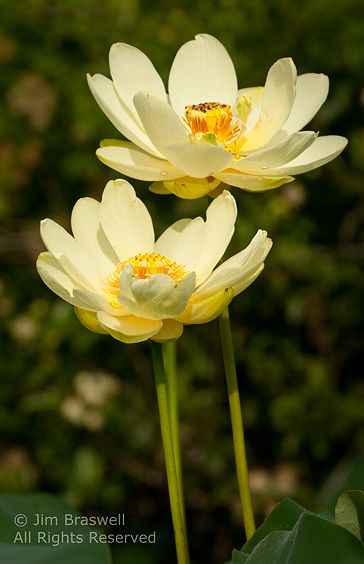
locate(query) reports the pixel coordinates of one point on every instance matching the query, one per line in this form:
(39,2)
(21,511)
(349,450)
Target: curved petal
(91,301)
(258,162)
(104,93)
(132,161)
(70,255)
(186,248)
(156,297)
(322,151)
(87,231)
(276,105)
(202,71)
(311,93)
(219,229)
(239,271)
(199,245)
(129,329)
(202,309)
(160,121)
(53,276)
(158,187)
(191,188)
(249,105)
(252,183)
(60,283)
(199,160)
(132,71)
(254,93)
(89,320)
(170,331)
(168,134)
(167,241)
(125,220)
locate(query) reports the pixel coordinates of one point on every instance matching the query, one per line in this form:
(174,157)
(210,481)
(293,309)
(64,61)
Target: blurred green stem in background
(236,422)
(175,493)
(170,367)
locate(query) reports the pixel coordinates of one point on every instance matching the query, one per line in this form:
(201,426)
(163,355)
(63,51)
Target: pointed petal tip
(119,184)
(227,194)
(93,78)
(228,197)
(141,95)
(205,36)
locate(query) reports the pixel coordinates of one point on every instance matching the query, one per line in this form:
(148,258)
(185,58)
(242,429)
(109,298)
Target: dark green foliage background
(298,329)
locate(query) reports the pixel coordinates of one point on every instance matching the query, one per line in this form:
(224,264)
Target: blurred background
(78,414)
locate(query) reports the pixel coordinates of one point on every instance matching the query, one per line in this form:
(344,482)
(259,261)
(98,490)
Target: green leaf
(313,540)
(42,534)
(349,512)
(283,518)
(239,557)
(270,549)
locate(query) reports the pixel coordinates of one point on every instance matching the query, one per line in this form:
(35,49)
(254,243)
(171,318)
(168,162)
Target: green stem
(236,422)
(170,367)
(180,534)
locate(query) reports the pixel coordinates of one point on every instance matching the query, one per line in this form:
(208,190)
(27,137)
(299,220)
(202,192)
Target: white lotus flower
(123,283)
(205,131)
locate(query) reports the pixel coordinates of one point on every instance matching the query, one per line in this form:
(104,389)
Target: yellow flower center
(214,123)
(144,266)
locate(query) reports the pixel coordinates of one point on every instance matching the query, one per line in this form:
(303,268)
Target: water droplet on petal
(164,173)
(265,167)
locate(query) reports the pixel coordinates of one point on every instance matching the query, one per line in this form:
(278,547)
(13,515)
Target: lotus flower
(124,283)
(205,131)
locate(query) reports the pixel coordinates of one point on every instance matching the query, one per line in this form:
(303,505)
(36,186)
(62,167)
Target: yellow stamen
(214,123)
(144,266)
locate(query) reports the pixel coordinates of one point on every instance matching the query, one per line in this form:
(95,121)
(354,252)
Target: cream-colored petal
(160,121)
(168,134)
(169,238)
(197,245)
(260,161)
(70,255)
(276,105)
(254,93)
(132,71)
(125,220)
(105,95)
(188,246)
(132,161)
(240,270)
(170,331)
(322,151)
(88,232)
(248,106)
(53,275)
(252,183)
(311,93)
(244,283)
(129,329)
(157,297)
(202,71)
(202,309)
(219,229)
(199,160)
(89,320)
(91,301)
(61,284)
